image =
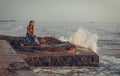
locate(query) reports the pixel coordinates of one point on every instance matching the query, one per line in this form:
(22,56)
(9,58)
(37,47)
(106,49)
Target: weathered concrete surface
(11,64)
(61,47)
(42,40)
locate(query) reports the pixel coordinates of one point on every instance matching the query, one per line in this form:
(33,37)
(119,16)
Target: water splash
(83,38)
(62,38)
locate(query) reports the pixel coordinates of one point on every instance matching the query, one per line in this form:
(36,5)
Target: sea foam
(83,38)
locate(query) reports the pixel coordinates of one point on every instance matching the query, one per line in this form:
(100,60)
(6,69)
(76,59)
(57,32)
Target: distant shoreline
(56,21)
(8,21)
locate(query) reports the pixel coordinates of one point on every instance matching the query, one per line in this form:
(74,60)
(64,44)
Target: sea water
(101,37)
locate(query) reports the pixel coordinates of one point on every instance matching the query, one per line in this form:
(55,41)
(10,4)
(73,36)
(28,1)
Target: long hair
(31,22)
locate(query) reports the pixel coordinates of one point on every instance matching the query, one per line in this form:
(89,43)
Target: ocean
(105,35)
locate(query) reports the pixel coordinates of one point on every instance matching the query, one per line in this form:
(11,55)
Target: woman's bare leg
(37,41)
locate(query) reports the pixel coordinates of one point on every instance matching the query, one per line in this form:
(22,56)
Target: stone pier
(11,63)
(50,52)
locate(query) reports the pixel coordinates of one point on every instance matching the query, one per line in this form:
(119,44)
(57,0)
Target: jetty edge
(52,52)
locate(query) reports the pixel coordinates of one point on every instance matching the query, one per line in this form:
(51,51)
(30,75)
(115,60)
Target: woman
(30,37)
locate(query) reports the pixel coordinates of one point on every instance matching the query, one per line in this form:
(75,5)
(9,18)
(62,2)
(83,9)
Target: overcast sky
(61,10)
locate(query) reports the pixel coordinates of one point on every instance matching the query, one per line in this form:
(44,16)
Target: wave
(17,28)
(83,38)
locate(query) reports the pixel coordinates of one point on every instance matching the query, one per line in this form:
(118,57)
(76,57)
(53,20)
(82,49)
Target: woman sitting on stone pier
(31,38)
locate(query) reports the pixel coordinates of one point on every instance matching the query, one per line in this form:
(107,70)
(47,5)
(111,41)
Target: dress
(30,40)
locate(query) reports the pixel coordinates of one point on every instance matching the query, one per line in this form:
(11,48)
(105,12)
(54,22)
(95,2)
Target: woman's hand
(33,35)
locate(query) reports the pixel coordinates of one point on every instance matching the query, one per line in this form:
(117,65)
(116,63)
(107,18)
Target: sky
(61,10)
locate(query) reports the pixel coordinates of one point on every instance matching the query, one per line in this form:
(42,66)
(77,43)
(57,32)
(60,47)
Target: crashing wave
(83,38)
